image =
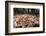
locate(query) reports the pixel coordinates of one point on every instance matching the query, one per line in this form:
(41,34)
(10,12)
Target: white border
(17,5)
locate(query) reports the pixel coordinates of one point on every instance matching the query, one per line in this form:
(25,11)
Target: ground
(26,20)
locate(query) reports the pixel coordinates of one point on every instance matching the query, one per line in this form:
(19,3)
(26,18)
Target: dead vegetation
(26,20)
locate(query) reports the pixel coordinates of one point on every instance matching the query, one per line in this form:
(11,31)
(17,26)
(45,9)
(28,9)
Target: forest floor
(26,20)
